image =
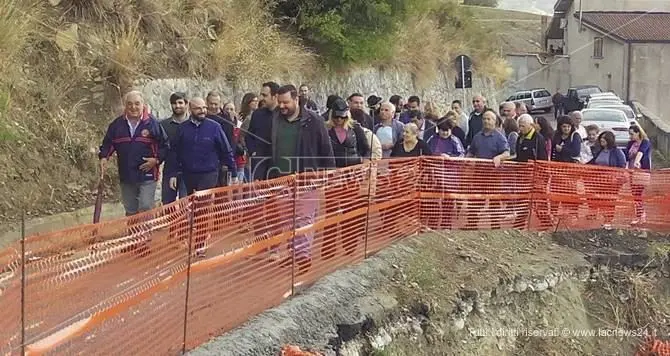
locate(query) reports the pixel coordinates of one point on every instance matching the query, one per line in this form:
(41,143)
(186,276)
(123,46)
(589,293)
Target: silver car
(613,120)
(535,99)
(630,114)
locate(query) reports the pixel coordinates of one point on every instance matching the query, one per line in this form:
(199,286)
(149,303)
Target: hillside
(516,31)
(65,63)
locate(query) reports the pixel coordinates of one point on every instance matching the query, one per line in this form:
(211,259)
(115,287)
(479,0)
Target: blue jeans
(138,197)
(168,195)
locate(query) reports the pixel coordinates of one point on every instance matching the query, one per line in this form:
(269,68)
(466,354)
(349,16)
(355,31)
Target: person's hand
(149,164)
(173,183)
(497,161)
(387,146)
(637,164)
(559,148)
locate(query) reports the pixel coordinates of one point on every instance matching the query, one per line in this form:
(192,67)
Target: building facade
(620,45)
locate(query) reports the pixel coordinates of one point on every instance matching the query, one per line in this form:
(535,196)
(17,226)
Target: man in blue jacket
(200,149)
(141,144)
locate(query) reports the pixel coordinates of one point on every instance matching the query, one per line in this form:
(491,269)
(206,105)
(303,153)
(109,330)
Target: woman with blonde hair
(350,147)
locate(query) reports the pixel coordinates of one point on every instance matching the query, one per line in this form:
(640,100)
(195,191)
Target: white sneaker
(201,252)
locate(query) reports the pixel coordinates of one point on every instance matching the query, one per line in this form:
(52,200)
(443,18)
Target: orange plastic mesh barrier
(168,280)
(654,347)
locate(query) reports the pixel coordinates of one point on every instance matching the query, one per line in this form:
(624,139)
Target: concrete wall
(531,71)
(650,77)
(366,82)
(657,129)
(608,72)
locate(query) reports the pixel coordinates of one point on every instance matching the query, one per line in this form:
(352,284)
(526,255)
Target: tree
(344,31)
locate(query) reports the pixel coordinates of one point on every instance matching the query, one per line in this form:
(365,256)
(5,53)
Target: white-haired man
(530,146)
(141,145)
(389,130)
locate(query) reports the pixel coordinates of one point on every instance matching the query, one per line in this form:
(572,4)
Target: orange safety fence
(137,284)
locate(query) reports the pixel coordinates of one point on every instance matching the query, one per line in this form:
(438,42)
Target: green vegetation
(65,63)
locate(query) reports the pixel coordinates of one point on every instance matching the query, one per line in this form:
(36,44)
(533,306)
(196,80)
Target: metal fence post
(23,283)
(191,218)
(292,244)
(367,214)
(531,201)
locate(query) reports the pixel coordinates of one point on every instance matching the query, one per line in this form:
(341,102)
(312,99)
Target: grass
(515,31)
(431,40)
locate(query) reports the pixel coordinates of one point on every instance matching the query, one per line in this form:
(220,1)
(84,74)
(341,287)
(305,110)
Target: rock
(520,286)
(552,280)
(458,323)
(381,339)
(540,286)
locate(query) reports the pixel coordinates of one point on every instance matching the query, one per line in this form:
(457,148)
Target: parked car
(608,94)
(535,99)
(598,102)
(630,113)
(576,96)
(613,120)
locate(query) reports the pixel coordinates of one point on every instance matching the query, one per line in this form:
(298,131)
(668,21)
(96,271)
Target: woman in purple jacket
(638,152)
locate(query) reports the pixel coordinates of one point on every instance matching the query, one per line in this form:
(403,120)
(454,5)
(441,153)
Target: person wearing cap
(350,147)
(346,136)
(329,105)
(179,104)
(374,104)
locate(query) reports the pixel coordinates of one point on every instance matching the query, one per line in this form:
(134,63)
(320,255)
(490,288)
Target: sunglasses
(339,117)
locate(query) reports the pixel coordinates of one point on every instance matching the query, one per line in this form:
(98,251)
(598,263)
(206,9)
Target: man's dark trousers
(200,181)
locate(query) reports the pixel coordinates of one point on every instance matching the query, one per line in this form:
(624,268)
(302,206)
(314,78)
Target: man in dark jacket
(475,122)
(179,104)
(530,146)
(304,95)
(141,145)
(215,112)
(357,102)
(200,148)
(300,143)
(259,136)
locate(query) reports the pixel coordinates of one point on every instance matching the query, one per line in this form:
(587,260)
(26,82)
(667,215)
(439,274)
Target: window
(598,47)
(541,94)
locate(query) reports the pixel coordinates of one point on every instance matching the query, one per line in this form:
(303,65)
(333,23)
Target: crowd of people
(208,143)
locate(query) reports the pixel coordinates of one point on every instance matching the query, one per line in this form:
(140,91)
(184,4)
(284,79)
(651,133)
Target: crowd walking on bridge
(208,142)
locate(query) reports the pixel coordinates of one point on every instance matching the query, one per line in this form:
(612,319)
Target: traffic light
(463,82)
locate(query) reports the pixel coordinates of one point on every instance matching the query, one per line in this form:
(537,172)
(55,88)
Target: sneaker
(607,227)
(201,252)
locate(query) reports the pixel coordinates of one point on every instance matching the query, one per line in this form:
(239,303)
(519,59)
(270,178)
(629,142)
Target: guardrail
(137,285)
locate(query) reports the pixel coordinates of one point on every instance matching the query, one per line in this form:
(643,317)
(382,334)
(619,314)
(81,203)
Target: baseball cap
(340,108)
(373,100)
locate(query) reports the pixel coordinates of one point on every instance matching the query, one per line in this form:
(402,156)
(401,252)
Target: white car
(630,114)
(603,102)
(613,120)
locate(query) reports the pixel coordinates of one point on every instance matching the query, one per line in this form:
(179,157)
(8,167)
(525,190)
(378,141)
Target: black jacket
(475,124)
(531,149)
(353,149)
(313,151)
(258,140)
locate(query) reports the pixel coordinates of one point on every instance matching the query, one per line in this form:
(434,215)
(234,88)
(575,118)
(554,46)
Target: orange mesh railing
(141,284)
